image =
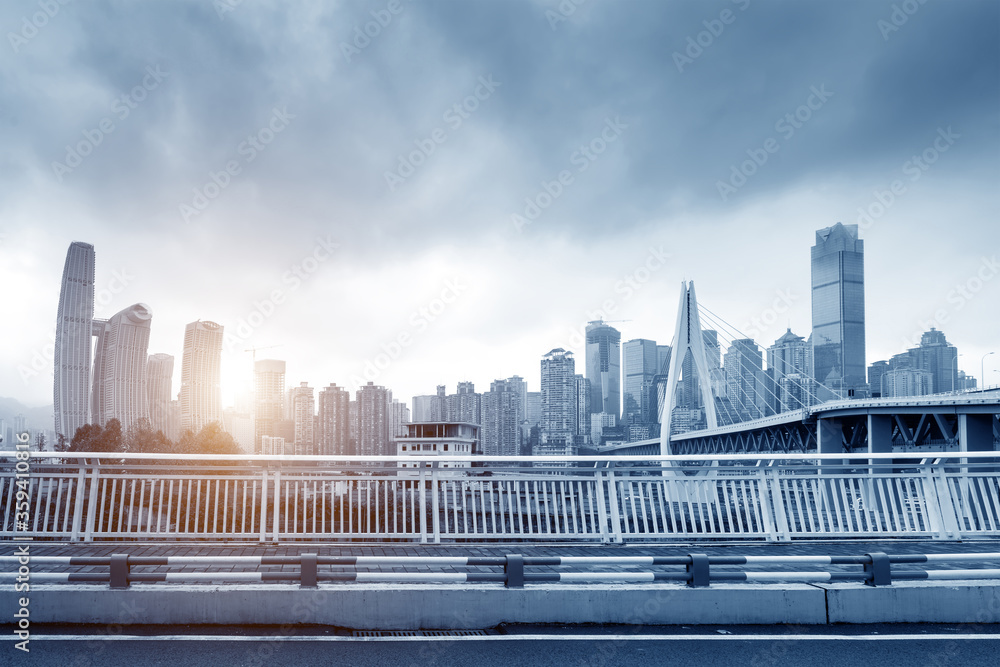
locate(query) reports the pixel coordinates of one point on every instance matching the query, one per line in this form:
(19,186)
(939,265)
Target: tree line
(141,438)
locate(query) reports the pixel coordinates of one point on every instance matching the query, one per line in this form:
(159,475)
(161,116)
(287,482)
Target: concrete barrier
(914,602)
(413,607)
(410,607)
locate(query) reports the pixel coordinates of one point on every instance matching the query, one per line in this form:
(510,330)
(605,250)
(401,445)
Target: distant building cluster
(103,371)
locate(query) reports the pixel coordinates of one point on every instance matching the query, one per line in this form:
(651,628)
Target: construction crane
(254,350)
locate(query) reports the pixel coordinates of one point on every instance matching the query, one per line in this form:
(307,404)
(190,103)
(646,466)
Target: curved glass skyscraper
(71,386)
(201,373)
(120,367)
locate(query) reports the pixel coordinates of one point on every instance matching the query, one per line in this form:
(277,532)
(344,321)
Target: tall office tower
(269,394)
(399,418)
(791,360)
(502,417)
(533,411)
(604,368)
(159,379)
(334,417)
(120,368)
(559,389)
(303,414)
(71,380)
(519,386)
(838,311)
(662,359)
(640,366)
(743,362)
(374,423)
(201,367)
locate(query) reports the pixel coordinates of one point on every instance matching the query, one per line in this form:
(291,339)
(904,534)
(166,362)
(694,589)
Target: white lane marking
(463,638)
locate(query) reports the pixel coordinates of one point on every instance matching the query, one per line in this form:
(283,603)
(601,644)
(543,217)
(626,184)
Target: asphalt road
(882,646)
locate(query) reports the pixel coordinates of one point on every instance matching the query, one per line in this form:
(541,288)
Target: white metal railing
(86,497)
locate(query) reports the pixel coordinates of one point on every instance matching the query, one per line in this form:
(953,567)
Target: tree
(110,439)
(212,439)
(142,439)
(61,444)
(40,442)
(85,438)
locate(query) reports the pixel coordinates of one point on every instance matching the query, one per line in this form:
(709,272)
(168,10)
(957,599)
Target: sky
(425,192)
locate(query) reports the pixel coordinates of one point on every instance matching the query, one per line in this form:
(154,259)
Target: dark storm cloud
(560,82)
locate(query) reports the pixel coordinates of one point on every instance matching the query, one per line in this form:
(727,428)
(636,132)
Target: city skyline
(308,246)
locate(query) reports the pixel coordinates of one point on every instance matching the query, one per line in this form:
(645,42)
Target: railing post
(602,509)
(80,502)
(275,528)
(263,504)
(879,568)
(781,527)
(514,571)
(699,570)
(616,519)
(94,505)
(435,503)
(423,503)
(119,571)
(949,527)
(308,577)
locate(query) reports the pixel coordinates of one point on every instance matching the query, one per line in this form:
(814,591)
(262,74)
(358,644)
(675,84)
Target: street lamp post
(954,376)
(982,372)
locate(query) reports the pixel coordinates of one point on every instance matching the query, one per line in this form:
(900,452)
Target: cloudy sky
(460,186)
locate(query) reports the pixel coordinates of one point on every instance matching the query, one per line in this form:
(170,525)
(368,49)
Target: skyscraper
(303,413)
(838,310)
(159,378)
(374,423)
(334,414)
(790,359)
(120,367)
(743,363)
(559,407)
(640,357)
(71,385)
(604,368)
(269,393)
(503,413)
(201,364)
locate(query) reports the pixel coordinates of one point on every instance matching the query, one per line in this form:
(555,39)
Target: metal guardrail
(774,498)
(510,570)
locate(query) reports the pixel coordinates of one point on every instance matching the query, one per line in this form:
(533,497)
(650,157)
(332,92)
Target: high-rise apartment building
(603,359)
(303,414)
(559,404)
(120,367)
(790,359)
(334,426)
(838,311)
(503,413)
(201,368)
(374,423)
(72,362)
(743,362)
(269,396)
(159,383)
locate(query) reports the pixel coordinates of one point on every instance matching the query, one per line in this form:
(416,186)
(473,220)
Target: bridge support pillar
(975,434)
(879,440)
(829,440)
